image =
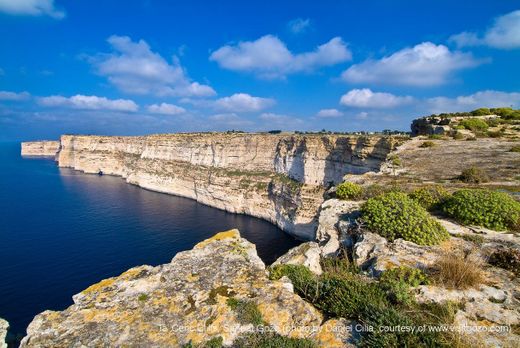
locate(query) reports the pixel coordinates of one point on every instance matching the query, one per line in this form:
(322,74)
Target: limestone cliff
(279,178)
(40,148)
(195,298)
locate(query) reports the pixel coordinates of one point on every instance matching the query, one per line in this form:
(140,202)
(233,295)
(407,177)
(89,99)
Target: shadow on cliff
(346,157)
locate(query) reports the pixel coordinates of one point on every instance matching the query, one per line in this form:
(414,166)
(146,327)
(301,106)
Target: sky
(149,66)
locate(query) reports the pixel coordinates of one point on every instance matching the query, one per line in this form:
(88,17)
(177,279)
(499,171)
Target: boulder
(307,254)
(177,303)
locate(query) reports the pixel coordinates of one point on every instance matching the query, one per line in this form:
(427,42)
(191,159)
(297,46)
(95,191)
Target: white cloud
(31,8)
(242,102)
(13,96)
(329,113)
(362,115)
(268,57)
(165,109)
(425,64)
(86,102)
(366,98)
(134,68)
(284,122)
(503,34)
(299,25)
(473,101)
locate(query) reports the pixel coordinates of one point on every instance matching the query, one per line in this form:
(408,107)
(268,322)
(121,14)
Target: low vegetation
(454,271)
(271,340)
(474,175)
(491,209)
(515,148)
(429,197)
(387,302)
(246,311)
(348,190)
(395,215)
(474,124)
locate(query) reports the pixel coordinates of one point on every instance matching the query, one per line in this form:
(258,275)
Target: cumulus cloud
(86,102)
(31,8)
(299,25)
(243,102)
(134,68)
(13,96)
(166,109)
(280,121)
(425,64)
(329,113)
(269,57)
(360,98)
(476,100)
(504,33)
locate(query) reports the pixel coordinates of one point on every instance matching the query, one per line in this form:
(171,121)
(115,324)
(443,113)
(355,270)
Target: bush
(515,148)
(458,272)
(394,215)
(435,136)
(491,209)
(427,144)
(474,124)
(495,134)
(429,197)
(458,136)
(507,258)
(376,190)
(473,175)
(303,280)
(397,283)
(348,190)
(481,112)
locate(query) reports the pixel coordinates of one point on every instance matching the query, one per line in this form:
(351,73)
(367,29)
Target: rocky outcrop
(4,326)
(279,178)
(187,300)
(40,148)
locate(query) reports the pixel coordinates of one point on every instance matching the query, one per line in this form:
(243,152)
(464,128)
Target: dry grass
(456,271)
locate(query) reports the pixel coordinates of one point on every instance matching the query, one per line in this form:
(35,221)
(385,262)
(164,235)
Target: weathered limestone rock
(332,213)
(40,148)
(4,326)
(173,304)
(307,254)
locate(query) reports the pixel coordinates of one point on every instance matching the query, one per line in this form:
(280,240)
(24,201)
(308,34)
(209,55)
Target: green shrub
(348,298)
(473,175)
(507,258)
(215,342)
(495,134)
(515,148)
(303,280)
(247,312)
(338,266)
(395,215)
(348,190)
(481,112)
(491,209)
(474,124)
(427,144)
(271,340)
(493,122)
(376,190)
(435,136)
(397,283)
(429,197)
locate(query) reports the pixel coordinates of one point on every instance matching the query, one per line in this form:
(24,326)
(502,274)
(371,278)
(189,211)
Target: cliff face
(279,178)
(40,148)
(199,296)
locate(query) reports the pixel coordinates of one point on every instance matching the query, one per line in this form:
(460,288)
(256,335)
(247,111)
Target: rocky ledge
(4,326)
(219,290)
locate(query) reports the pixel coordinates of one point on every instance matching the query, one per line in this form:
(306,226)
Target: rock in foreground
(187,300)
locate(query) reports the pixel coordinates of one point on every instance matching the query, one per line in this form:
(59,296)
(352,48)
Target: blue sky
(101,67)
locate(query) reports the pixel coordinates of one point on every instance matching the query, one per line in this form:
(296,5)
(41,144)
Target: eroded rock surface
(40,148)
(4,326)
(173,304)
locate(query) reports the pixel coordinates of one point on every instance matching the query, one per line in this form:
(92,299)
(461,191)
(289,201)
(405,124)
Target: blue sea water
(61,231)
